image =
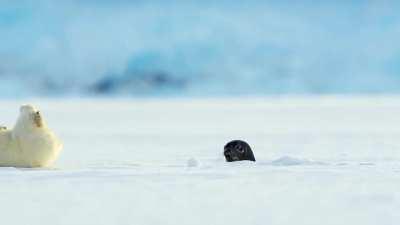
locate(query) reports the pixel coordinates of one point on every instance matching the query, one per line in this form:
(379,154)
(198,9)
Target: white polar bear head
(29,119)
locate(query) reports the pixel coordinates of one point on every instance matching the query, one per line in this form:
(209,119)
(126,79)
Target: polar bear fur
(30,143)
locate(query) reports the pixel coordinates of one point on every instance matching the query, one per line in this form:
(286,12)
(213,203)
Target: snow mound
(292,161)
(192,162)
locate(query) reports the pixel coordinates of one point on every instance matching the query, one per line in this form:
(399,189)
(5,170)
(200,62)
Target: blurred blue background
(198,48)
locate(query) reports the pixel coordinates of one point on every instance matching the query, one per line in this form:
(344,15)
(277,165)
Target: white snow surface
(320,160)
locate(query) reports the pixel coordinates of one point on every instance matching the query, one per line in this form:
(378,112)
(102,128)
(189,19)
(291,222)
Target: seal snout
(231,157)
(227,155)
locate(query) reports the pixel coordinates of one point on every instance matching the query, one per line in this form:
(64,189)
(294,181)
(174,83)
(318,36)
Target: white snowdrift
(319,161)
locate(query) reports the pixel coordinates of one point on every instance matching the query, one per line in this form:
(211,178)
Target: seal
(238,150)
(30,143)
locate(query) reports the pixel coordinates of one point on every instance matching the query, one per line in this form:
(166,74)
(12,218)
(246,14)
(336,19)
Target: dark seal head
(237,151)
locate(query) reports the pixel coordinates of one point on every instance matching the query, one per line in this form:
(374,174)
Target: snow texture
(325,160)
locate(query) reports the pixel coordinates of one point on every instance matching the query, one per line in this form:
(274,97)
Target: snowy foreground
(320,160)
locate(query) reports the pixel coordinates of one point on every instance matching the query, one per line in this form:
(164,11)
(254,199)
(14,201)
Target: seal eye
(239,148)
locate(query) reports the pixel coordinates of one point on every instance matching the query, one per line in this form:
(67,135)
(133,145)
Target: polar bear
(30,143)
